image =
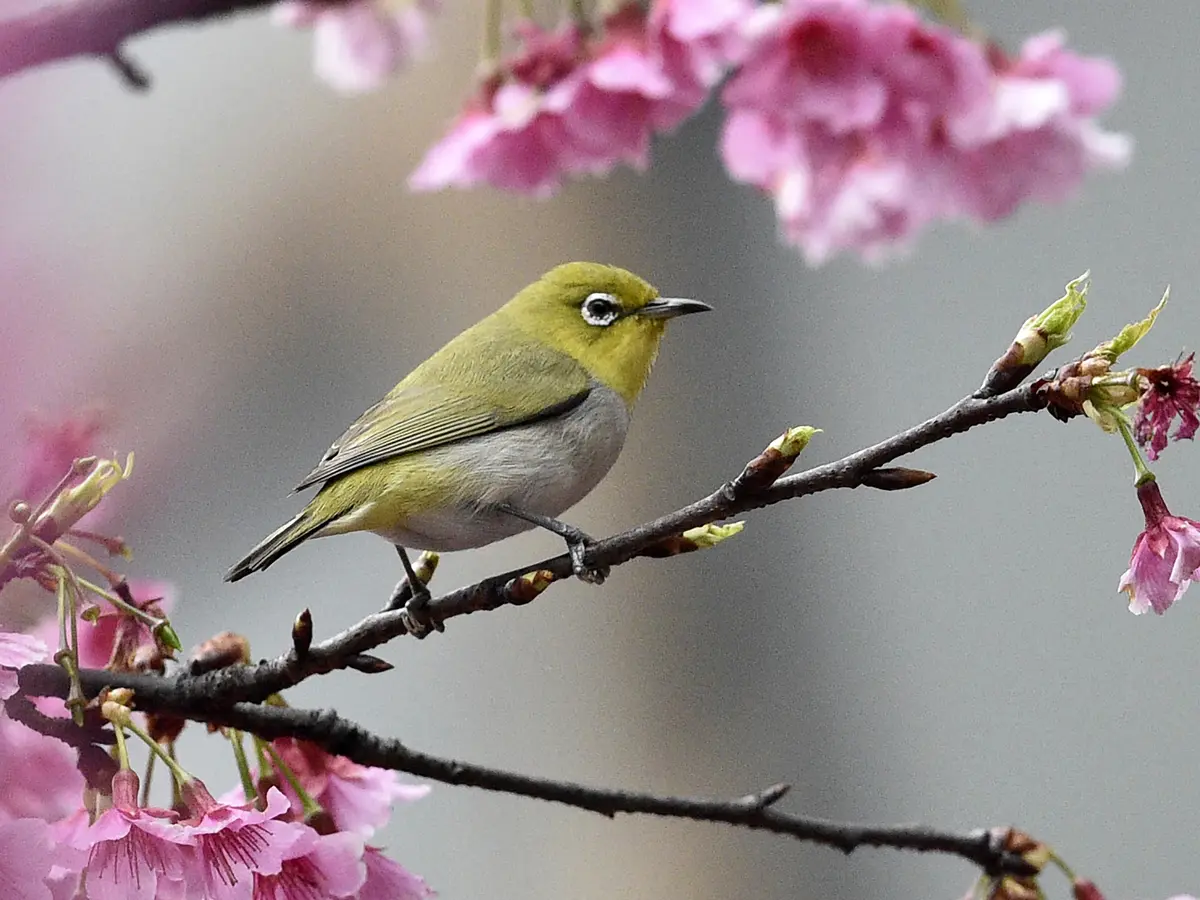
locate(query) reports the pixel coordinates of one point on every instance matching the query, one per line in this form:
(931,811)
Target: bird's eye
(600,309)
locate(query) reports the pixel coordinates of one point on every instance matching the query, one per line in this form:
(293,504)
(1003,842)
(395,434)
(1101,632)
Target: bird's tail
(275,544)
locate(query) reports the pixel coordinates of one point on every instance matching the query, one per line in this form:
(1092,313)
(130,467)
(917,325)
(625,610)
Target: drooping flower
(132,852)
(570,104)
(1165,556)
(315,867)
(358,45)
(356,798)
(388,880)
(229,844)
(866,123)
(17,650)
(1173,392)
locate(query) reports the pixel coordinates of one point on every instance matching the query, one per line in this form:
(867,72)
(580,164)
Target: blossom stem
(181,777)
(1141,471)
(68,655)
(492,22)
(243,767)
(145,801)
(310,806)
(1063,867)
(122,750)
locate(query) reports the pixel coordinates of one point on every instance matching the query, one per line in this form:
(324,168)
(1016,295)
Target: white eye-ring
(600,309)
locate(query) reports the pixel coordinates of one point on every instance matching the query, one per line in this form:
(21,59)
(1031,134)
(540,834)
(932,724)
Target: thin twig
(254,683)
(345,738)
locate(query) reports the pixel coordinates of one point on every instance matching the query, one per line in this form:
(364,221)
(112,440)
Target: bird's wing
(454,397)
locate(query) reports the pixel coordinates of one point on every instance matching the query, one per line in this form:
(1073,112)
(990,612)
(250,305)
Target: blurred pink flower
(17,650)
(315,867)
(1165,556)
(51,445)
(38,774)
(27,854)
(358,45)
(388,880)
(1174,392)
(567,105)
(357,798)
(133,852)
(112,631)
(865,123)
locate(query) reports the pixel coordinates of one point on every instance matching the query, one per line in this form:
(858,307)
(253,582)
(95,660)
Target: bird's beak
(670,307)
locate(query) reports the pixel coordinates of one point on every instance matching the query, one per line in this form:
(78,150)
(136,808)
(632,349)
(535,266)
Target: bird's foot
(415,614)
(578,545)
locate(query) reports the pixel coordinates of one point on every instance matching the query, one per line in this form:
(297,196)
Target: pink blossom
(566,104)
(357,798)
(17,650)
(315,867)
(132,852)
(1165,556)
(358,45)
(865,123)
(1173,392)
(38,774)
(388,880)
(228,844)
(27,855)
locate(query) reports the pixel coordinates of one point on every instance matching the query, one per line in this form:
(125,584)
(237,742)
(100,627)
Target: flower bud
(75,502)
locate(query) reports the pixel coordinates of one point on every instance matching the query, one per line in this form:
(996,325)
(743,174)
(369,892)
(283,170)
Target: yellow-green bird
(508,425)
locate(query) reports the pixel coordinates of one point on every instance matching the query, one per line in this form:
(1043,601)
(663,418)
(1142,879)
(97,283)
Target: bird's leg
(411,596)
(577,542)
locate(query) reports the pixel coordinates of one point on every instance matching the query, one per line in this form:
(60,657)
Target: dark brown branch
(345,738)
(217,689)
(99,29)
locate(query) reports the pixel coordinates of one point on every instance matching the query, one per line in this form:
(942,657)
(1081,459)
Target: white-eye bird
(508,425)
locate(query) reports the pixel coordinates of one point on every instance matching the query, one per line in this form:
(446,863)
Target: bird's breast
(544,467)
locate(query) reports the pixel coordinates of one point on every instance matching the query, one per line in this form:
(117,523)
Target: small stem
(243,767)
(492,34)
(150,761)
(156,748)
(176,792)
(1062,865)
(310,806)
(122,750)
(1141,471)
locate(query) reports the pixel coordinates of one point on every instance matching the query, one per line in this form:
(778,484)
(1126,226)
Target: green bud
(704,536)
(1107,396)
(1130,334)
(793,441)
(1051,328)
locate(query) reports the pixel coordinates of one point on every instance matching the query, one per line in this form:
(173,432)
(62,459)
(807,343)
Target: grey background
(233,260)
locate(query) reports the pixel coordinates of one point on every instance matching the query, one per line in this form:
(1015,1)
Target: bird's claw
(415,615)
(577,550)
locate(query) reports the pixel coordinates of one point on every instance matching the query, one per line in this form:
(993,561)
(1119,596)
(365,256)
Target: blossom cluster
(861,120)
(72,823)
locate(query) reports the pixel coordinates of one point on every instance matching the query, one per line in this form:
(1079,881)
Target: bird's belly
(544,468)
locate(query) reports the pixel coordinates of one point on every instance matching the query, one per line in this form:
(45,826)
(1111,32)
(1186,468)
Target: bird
(507,426)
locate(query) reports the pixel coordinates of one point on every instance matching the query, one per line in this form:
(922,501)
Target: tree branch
(99,28)
(340,736)
(218,689)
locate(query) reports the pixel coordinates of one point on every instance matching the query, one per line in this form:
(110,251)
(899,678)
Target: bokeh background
(234,263)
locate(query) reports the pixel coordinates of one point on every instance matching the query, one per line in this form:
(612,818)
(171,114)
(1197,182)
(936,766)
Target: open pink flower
(1165,556)
(132,852)
(1174,392)
(388,880)
(865,123)
(17,650)
(227,845)
(357,798)
(315,867)
(358,45)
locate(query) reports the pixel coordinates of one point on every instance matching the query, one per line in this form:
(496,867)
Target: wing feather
(455,395)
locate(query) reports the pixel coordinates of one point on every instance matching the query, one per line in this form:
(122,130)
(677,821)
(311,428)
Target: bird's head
(606,318)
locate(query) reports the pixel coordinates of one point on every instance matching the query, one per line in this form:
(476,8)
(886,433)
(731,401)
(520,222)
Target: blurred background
(234,263)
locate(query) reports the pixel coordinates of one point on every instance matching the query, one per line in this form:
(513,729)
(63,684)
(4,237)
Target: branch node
(896,478)
(765,798)
(302,634)
(369,664)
